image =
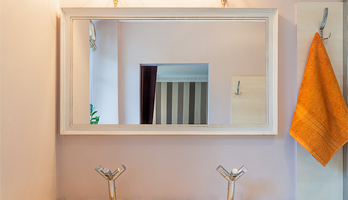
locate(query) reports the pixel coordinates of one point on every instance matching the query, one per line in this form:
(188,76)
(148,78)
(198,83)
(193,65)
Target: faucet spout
(230,193)
(112,190)
(231,177)
(111,177)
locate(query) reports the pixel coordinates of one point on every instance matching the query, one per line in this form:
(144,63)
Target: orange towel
(320,121)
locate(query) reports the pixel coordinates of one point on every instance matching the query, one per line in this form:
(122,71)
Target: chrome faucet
(111,177)
(231,177)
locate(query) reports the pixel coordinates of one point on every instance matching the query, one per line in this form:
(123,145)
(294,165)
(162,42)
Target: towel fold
(320,121)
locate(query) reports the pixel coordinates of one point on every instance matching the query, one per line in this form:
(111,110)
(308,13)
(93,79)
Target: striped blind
(181,103)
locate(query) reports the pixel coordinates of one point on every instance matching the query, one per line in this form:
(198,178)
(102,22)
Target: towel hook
(237,90)
(323,23)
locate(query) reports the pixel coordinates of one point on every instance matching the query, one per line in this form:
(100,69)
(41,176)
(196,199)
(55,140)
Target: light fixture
(223,2)
(115,3)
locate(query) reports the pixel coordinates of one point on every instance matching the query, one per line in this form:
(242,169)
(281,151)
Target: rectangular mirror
(160,71)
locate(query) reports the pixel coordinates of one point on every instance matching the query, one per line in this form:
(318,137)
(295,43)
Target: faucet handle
(223,172)
(242,169)
(118,172)
(100,170)
(234,175)
(240,173)
(234,171)
(106,170)
(107,173)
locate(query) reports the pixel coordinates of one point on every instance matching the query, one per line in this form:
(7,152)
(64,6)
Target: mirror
(146,72)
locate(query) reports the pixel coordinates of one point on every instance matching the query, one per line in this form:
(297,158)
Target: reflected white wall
(229,48)
(104,72)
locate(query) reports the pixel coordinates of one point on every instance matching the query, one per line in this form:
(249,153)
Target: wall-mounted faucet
(231,177)
(111,177)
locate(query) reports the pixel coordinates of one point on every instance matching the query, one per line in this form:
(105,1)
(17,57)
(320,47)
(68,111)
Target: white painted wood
(170,13)
(315,182)
(198,94)
(250,106)
(175,101)
(163,103)
(80,72)
(245,15)
(186,103)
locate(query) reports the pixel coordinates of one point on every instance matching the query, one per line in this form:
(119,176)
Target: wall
(29,107)
(315,181)
(104,77)
(157,42)
(177,167)
(222,45)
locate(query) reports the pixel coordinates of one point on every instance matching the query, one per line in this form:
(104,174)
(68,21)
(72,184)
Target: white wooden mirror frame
(267,15)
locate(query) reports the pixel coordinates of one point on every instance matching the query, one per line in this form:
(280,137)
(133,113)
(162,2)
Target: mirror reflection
(170,72)
(181,94)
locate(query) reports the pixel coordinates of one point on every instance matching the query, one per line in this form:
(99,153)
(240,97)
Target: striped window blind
(181,103)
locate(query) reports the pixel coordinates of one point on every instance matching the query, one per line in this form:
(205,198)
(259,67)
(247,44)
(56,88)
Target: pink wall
(183,167)
(29,99)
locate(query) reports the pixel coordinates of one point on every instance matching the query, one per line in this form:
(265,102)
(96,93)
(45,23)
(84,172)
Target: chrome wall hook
(323,23)
(237,92)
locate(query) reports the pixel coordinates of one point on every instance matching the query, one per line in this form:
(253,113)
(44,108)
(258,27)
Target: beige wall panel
(250,106)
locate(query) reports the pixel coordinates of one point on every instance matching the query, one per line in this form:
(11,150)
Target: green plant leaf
(93,120)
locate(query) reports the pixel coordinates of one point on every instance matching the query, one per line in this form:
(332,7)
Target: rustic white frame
(268,15)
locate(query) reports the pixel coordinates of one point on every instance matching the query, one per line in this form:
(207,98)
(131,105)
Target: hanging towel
(320,121)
